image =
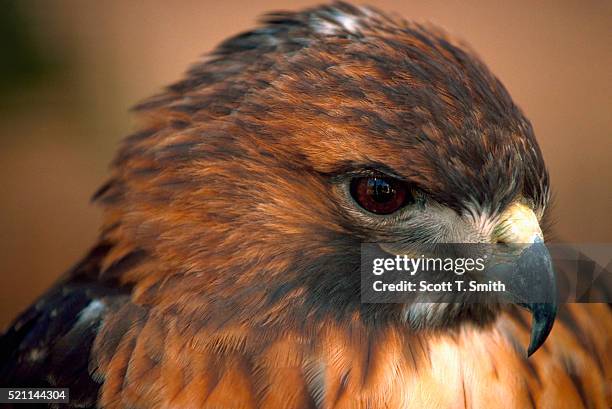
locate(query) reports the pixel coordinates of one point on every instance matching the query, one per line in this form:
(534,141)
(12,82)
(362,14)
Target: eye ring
(380,194)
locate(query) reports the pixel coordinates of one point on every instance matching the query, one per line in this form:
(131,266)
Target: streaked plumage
(227,270)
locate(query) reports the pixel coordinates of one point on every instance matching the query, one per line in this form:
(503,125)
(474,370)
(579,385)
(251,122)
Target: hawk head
(248,192)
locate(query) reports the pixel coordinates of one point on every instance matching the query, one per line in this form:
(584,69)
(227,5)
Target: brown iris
(380,194)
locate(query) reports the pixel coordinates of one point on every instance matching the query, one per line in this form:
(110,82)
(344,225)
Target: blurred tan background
(70,70)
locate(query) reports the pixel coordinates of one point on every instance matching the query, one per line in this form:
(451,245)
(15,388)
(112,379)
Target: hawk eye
(380,194)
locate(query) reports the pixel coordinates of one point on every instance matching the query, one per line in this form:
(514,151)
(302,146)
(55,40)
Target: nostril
(501,245)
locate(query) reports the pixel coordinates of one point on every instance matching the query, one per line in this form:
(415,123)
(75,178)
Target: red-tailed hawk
(227,270)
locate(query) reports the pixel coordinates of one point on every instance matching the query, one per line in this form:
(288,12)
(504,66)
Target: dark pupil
(380,190)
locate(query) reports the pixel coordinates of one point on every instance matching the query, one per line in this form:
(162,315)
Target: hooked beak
(535,264)
(532,279)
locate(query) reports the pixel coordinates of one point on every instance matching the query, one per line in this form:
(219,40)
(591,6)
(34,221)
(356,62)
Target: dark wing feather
(49,345)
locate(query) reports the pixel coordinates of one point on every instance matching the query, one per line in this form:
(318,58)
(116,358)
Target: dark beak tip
(539,291)
(543,319)
(533,347)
